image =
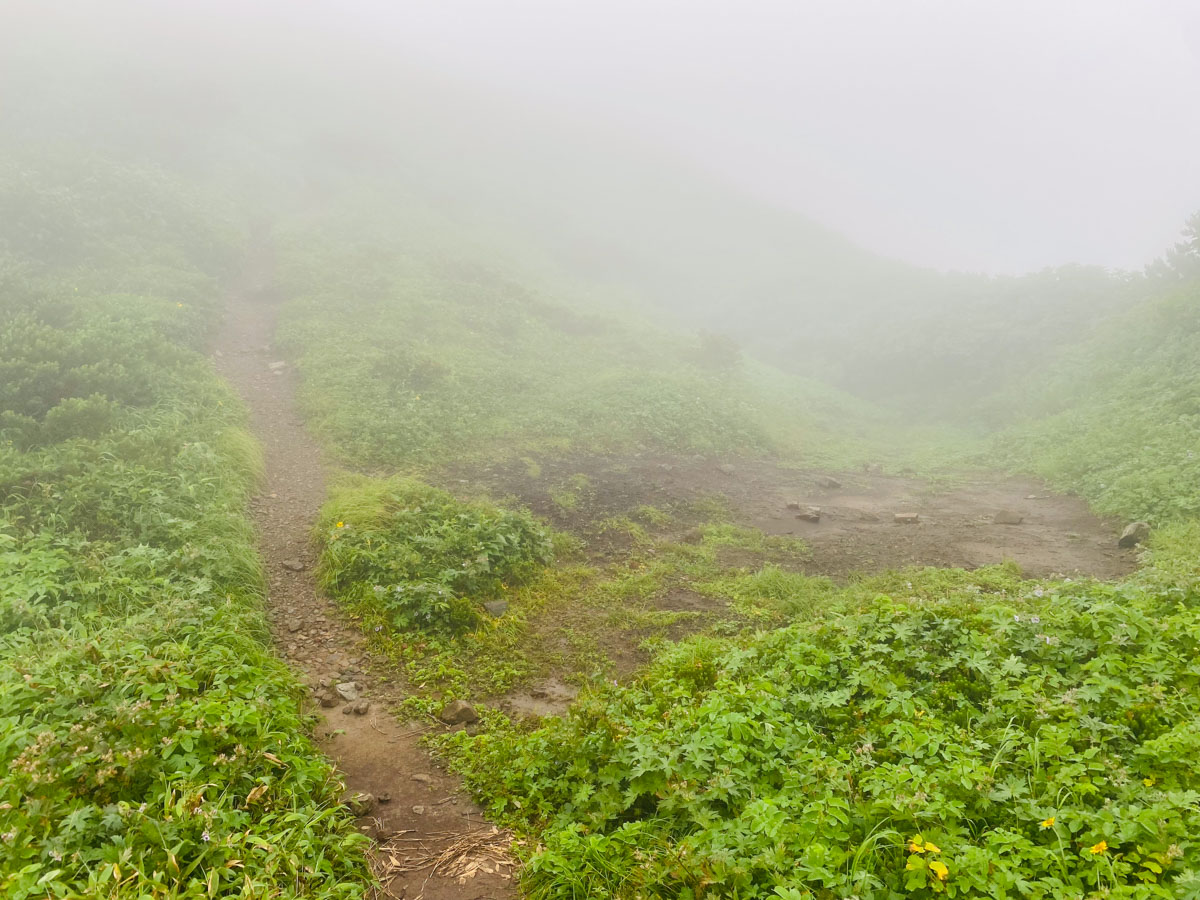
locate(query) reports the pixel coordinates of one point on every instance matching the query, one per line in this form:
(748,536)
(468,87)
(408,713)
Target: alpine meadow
(632,451)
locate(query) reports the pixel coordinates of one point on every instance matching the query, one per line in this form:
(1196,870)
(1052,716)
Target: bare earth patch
(856,531)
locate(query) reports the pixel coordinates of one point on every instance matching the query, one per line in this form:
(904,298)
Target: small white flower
(204,836)
(1035,619)
(1016,618)
(1039,593)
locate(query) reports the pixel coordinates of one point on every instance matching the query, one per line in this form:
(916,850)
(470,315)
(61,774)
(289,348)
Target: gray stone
(811,514)
(293,565)
(907,518)
(726,469)
(828,481)
(277,365)
(360,803)
(458,711)
(421,778)
(1008,517)
(326,699)
(496,608)
(1134,534)
(360,707)
(348,690)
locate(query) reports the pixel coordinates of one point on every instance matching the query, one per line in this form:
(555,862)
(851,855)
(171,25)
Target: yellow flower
(1048,823)
(1148,782)
(932,848)
(1099,848)
(180,305)
(341,524)
(915,845)
(939,869)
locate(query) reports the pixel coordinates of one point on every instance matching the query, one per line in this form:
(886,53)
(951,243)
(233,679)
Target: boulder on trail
(360,803)
(1008,517)
(458,711)
(348,691)
(811,514)
(1134,534)
(907,518)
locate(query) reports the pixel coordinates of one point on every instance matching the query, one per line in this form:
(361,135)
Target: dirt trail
(425,813)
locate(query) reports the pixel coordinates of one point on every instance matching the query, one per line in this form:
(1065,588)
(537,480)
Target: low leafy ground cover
(152,745)
(933,733)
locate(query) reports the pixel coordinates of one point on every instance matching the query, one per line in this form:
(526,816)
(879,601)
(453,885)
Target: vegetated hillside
(151,742)
(1117,420)
(412,358)
(585,207)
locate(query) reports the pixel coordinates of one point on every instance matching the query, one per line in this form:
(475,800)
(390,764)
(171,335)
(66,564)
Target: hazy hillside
(446,168)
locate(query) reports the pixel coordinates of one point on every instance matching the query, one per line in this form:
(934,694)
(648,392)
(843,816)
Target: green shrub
(420,555)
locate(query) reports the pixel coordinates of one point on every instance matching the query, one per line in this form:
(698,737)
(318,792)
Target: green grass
(152,743)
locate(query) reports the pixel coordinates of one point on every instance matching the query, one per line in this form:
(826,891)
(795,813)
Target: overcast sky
(1002,136)
(996,135)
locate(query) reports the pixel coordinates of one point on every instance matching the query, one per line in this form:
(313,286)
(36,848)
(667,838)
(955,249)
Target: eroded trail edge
(432,840)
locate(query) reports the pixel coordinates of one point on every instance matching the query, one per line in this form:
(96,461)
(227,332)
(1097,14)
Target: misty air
(557,450)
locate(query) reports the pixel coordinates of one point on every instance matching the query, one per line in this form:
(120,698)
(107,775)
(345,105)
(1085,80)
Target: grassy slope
(409,358)
(1037,734)
(153,745)
(1118,419)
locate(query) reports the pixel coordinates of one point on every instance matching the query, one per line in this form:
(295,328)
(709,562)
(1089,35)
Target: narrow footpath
(431,840)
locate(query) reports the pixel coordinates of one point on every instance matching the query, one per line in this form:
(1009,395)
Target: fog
(998,137)
(807,179)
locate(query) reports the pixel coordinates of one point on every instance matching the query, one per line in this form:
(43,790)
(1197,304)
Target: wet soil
(426,812)
(857,530)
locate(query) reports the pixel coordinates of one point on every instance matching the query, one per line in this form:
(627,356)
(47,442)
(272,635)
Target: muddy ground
(857,530)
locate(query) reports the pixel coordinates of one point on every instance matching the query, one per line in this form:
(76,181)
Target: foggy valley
(617,450)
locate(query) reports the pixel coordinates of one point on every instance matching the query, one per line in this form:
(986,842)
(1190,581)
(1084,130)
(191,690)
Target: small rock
(346,710)
(828,481)
(726,469)
(1008,517)
(458,711)
(360,707)
(326,699)
(360,803)
(277,365)
(793,504)
(418,810)
(295,625)
(293,565)
(496,608)
(1134,534)
(384,797)
(421,778)
(907,518)
(812,514)
(348,690)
